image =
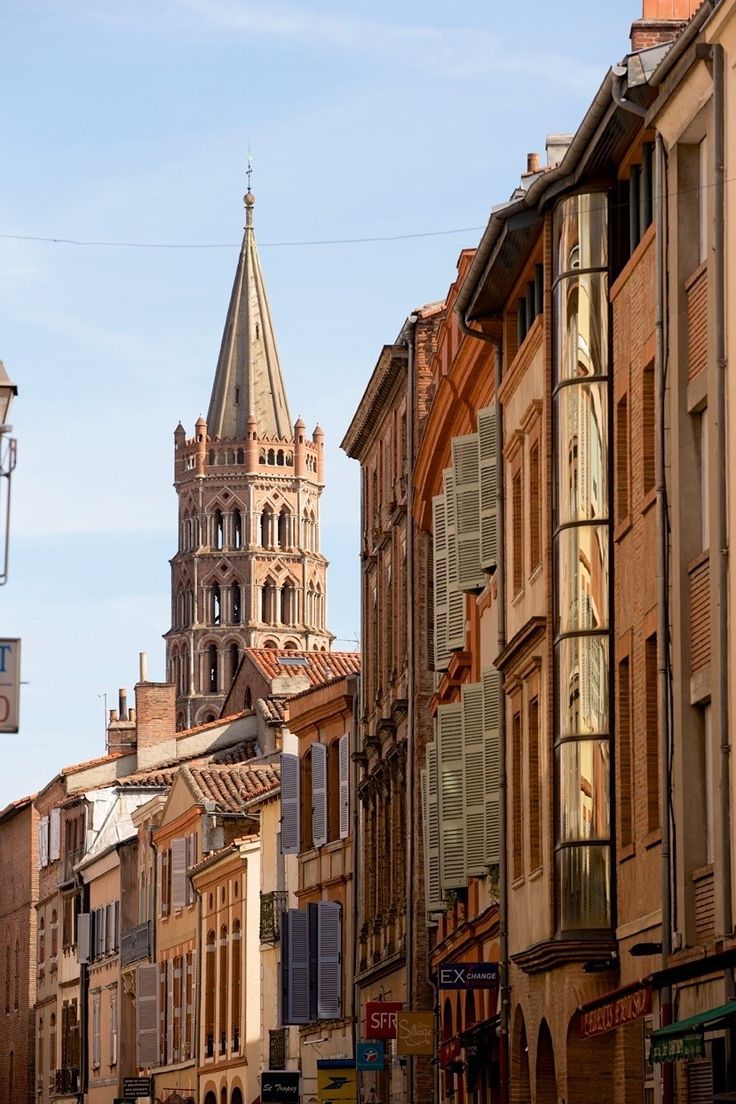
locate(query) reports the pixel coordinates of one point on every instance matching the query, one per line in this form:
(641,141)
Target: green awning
(709,1020)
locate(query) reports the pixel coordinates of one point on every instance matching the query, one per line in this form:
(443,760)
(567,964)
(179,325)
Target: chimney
(532,162)
(155,712)
(143,666)
(661,21)
(123,704)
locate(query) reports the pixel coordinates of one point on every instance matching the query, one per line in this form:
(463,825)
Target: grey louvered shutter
(452,819)
(425,832)
(329,960)
(434,884)
(178,872)
(473,779)
(83,937)
(466,465)
(169,965)
(146,1015)
(319,794)
(43,841)
(487,442)
(289,804)
(344,770)
(455,597)
(55,835)
(440,568)
(297,1003)
(492,764)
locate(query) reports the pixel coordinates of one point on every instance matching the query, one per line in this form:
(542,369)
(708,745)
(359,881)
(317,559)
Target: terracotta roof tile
(272,710)
(229,787)
(318,667)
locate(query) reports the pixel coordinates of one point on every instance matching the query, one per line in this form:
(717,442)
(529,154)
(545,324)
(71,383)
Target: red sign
(449,1051)
(380,1019)
(615,1013)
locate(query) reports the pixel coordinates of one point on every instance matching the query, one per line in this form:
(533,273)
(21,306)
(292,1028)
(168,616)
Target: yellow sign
(337,1084)
(414,1033)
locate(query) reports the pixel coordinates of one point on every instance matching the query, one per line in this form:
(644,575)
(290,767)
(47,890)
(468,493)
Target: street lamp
(8,391)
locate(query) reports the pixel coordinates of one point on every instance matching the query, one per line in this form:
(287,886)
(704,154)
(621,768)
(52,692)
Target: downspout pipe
(721,533)
(663,666)
(500,579)
(354,689)
(409,333)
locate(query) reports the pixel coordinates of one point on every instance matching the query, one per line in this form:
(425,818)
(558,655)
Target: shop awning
(684,1039)
(704,1021)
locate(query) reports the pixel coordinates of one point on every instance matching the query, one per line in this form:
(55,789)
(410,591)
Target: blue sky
(131,122)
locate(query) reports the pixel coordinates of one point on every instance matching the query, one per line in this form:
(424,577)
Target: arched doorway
(236,1096)
(545,1078)
(520,1088)
(210,1098)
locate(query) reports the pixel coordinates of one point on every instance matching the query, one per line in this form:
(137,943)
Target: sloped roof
(318,667)
(164,774)
(248,379)
(229,787)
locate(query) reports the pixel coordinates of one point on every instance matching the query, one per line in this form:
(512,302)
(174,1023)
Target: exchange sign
(468,975)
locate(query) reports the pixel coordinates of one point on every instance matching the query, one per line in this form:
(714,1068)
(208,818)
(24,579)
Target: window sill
(518,881)
(622,528)
(648,501)
(535,572)
(626,853)
(653,839)
(536,874)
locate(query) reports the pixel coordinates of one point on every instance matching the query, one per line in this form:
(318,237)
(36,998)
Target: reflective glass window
(584,804)
(582,566)
(582,665)
(582,334)
(581,232)
(584,880)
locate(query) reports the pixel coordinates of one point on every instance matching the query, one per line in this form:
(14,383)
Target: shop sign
(336,1081)
(468,975)
(414,1033)
(675,1050)
(449,1051)
(615,1013)
(137,1087)
(380,1019)
(9,685)
(279,1086)
(370,1056)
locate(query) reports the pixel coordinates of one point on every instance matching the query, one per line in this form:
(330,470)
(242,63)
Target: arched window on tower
(288,603)
(319,615)
(234,659)
(284,528)
(309,612)
(313,533)
(268,602)
(219,533)
(184,671)
(212,668)
(266,527)
(235,603)
(237,529)
(216,604)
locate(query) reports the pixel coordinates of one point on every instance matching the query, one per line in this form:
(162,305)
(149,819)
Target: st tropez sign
(9,684)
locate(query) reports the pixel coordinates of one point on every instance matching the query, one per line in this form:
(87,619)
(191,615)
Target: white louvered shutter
(329,960)
(83,934)
(289,804)
(455,598)
(434,885)
(440,589)
(96,1031)
(487,441)
(344,765)
(492,765)
(466,465)
(55,835)
(178,872)
(297,1002)
(319,794)
(146,1014)
(473,779)
(452,819)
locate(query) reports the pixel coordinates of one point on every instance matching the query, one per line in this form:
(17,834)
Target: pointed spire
(248,379)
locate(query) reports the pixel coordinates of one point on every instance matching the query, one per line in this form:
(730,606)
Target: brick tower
(248,570)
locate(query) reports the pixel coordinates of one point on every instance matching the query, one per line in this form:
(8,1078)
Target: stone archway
(546,1080)
(520,1084)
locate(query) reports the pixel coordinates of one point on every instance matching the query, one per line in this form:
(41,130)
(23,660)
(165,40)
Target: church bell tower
(248,571)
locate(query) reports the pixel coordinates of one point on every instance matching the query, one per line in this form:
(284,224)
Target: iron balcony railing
(135,944)
(272,905)
(66,1081)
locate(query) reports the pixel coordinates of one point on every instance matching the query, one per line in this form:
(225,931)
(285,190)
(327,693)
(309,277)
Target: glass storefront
(582,559)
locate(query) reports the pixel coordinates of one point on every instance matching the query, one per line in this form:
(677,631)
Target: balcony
(135,944)
(272,905)
(66,1081)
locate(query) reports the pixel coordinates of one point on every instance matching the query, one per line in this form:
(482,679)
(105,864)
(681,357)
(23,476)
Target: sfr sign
(9,685)
(380,1019)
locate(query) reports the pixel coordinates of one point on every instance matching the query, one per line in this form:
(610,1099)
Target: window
(622,459)
(238,526)
(535,508)
(651,731)
(235,604)
(648,429)
(219,529)
(535,788)
(212,681)
(223,987)
(517,827)
(216,604)
(113,1026)
(54,937)
(517,532)
(623,705)
(235,985)
(209,996)
(96,1021)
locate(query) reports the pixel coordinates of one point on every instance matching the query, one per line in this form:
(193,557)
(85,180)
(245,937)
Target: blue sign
(370,1056)
(468,975)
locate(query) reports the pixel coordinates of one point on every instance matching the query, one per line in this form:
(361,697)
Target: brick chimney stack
(155,714)
(661,21)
